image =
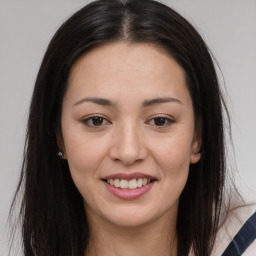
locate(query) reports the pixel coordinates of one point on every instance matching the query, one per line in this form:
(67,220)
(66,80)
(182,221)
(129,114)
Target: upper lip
(128,176)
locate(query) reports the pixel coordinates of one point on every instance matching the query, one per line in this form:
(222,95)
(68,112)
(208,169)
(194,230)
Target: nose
(127,144)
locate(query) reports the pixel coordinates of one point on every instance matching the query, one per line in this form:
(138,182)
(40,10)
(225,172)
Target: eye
(95,121)
(161,121)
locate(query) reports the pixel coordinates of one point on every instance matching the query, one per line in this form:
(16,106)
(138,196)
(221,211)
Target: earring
(60,154)
(197,154)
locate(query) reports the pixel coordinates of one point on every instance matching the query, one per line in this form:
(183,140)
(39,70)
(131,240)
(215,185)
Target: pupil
(159,121)
(97,121)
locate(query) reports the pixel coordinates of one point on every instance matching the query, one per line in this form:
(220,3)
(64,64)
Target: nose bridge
(128,145)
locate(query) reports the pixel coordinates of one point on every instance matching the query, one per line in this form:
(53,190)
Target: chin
(132,216)
(129,221)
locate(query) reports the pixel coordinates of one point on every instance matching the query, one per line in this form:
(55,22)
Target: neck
(156,238)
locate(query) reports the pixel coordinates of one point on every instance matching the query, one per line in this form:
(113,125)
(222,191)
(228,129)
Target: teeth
(124,183)
(131,184)
(117,183)
(144,181)
(139,183)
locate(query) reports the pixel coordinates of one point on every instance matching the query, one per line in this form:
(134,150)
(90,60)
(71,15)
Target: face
(128,133)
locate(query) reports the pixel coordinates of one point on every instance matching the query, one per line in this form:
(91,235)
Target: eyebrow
(146,103)
(99,101)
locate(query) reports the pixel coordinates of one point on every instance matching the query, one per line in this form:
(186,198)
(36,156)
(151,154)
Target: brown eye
(95,121)
(161,121)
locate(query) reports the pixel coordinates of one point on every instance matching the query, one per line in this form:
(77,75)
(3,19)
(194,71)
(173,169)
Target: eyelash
(167,121)
(90,118)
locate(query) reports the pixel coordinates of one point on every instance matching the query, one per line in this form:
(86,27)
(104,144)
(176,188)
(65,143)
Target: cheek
(174,161)
(173,154)
(84,159)
(83,154)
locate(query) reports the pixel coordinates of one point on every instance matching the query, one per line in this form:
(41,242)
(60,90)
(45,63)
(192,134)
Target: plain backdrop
(228,26)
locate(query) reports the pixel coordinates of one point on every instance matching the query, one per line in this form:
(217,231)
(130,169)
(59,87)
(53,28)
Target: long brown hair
(52,213)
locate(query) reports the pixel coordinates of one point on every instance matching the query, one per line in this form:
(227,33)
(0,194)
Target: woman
(125,150)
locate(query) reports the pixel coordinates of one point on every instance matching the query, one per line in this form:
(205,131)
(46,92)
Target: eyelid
(170,120)
(85,120)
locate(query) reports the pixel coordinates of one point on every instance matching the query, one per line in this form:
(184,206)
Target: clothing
(243,239)
(237,217)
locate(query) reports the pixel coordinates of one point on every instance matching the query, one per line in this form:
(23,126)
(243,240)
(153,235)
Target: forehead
(124,68)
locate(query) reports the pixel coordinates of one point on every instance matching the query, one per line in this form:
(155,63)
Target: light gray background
(228,26)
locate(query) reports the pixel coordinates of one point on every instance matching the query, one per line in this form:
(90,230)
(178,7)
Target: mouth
(129,184)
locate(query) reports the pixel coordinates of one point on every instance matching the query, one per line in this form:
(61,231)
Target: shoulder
(238,214)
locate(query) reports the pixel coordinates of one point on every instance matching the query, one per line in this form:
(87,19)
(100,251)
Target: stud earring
(60,154)
(197,154)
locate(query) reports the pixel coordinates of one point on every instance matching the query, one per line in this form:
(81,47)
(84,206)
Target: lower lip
(129,194)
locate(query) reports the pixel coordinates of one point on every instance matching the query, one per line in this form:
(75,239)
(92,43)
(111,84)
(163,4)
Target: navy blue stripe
(242,240)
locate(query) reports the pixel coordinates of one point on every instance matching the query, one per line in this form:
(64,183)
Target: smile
(129,184)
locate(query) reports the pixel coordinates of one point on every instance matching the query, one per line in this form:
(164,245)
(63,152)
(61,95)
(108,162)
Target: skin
(129,140)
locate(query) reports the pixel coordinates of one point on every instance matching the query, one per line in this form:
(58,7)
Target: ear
(61,146)
(196,144)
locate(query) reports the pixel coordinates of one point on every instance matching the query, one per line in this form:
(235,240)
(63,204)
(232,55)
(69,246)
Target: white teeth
(144,181)
(131,184)
(139,183)
(124,183)
(116,183)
